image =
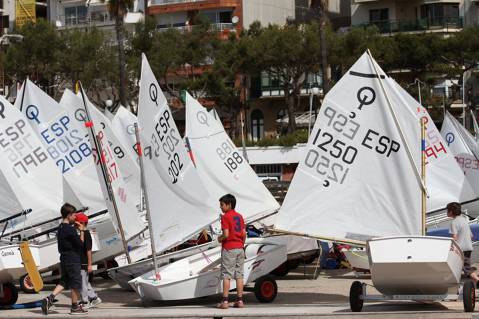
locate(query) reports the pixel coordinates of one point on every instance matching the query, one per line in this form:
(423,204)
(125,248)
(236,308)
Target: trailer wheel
(26,284)
(10,294)
(265,289)
(469,296)
(355,293)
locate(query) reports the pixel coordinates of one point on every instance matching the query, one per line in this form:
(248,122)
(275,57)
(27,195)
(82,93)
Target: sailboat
(445,180)
(30,181)
(359,182)
(171,181)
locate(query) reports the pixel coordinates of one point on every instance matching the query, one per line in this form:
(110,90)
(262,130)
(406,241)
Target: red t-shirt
(234,222)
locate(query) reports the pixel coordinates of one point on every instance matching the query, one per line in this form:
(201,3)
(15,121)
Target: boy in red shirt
(232,253)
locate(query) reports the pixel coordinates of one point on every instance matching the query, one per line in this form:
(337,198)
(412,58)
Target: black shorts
(70,276)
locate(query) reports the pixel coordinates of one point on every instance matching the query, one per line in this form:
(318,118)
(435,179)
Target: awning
(302,119)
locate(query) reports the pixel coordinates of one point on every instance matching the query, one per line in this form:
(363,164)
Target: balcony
(91,20)
(167,2)
(214,27)
(431,25)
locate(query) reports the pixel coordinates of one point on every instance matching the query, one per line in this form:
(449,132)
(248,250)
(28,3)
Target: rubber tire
(12,294)
(265,282)
(26,288)
(469,296)
(355,301)
(281,271)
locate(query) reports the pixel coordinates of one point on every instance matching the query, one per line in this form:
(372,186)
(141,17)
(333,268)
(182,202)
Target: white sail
(125,201)
(128,166)
(464,147)
(179,203)
(123,124)
(221,166)
(445,181)
(66,143)
(29,178)
(355,179)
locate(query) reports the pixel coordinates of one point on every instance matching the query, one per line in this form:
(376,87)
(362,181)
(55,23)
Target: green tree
(118,9)
(36,56)
(287,53)
(86,56)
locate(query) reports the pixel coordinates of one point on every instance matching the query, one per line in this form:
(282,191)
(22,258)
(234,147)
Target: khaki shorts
(232,263)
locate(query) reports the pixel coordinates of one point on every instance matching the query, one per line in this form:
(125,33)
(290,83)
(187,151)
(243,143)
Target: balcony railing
(391,26)
(167,2)
(214,27)
(97,20)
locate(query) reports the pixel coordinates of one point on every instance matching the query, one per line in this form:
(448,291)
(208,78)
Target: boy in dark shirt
(232,253)
(70,245)
(88,296)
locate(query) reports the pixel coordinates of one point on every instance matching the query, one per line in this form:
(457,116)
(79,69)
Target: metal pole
(147,203)
(99,149)
(310,111)
(245,155)
(419,91)
(423,174)
(463,99)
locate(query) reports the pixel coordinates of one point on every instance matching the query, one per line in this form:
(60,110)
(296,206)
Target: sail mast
(89,125)
(147,203)
(423,174)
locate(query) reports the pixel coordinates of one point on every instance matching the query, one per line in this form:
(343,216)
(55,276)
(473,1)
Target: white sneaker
(94,302)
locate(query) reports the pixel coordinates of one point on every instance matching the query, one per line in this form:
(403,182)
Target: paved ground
(299,295)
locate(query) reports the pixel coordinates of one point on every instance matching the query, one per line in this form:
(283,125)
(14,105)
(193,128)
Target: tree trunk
(121,60)
(289,99)
(320,7)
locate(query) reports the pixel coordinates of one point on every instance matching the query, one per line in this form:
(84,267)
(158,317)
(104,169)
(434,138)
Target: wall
(267,11)
(360,11)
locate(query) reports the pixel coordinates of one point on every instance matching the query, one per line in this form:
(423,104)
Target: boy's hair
(67,209)
(454,208)
(228,199)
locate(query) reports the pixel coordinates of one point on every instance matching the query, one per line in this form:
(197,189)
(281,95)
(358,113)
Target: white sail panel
(28,171)
(463,146)
(66,143)
(125,201)
(221,166)
(129,168)
(355,180)
(445,181)
(124,125)
(179,203)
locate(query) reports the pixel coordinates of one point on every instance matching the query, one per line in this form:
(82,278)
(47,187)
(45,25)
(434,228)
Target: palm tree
(319,8)
(118,9)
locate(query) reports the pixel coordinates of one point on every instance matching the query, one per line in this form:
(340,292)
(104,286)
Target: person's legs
(84,286)
(227,265)
(239,269)
(76,288)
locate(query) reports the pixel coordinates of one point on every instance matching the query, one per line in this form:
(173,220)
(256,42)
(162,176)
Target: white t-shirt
(460,227)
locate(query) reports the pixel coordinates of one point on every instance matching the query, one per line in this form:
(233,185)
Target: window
(377,15)
(257,125)
(75,15)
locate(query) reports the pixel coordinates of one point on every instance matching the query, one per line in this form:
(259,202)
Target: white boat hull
(357,258)
(199,275)
(415,265)
(125,273)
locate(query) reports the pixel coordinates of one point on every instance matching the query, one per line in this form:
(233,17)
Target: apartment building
(391,16)
(224,15)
